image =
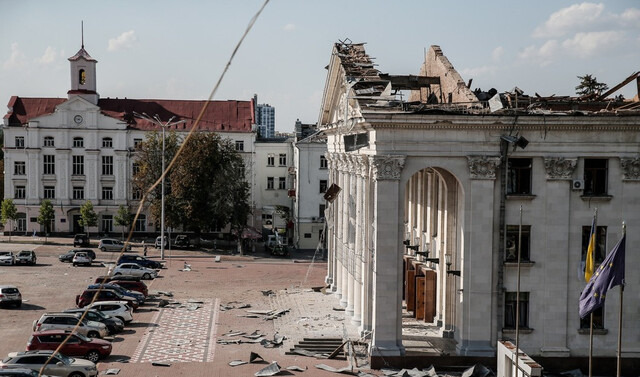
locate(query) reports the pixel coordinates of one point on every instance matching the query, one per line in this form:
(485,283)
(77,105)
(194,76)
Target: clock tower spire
(83,75)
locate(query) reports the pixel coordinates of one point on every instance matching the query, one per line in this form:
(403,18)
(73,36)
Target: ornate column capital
(386,167)
(630,169)
(560,167)
(363,166)
(331,160)
(483,167)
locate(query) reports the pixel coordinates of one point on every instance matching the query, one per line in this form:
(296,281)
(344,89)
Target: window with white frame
(78,165)
(49,164)
(19,168)
(141,223)
(49,192)
(323,185)
(78,142)
(271,160)
(137,143)
(323,162)
(48,141)
(269,183)
(282,183)
(107,193)
(78,193)
(107,165)
(20,192)
(135,168)
(107,142)
(19,141)
(136,194)
(239,145)
(106,223)
(510,309)
(282,160)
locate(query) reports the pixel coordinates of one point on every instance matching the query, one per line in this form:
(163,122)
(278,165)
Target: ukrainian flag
(588,268)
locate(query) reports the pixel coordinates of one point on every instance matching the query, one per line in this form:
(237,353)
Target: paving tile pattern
(178,334)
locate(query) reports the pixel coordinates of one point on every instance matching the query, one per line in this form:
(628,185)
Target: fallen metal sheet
(296,368)
(235,363)
(160,364)
(271,370)
(268,292)
(345,370)
(195,302)
(415,372)
(263,312)
(303,352)
(112,371)
(254,356)
(252,341)
(248,315)
(234,333)
(255,335)
(478,370)
(229,341)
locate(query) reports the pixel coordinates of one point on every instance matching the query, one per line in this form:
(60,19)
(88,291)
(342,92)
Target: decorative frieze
(560,167)
(386,167)
(483,167)
(630,169)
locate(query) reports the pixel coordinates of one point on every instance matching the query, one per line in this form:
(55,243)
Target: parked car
(158,243)
(138,259)
(68,256)
(81,240)
(117,309)
(69,321)
(123,291)
(26,257)
(182,241)
(75,345)
(87,295)
(81,259)
(10,295)
(111,244)
(7,258)
(20,372)
(56,364)
(131,283)
(114,325)
(135,269)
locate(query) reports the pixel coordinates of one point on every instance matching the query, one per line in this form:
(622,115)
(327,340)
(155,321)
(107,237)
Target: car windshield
(5,253)
(65,359)
(25,253)
(9,290)
(82,337)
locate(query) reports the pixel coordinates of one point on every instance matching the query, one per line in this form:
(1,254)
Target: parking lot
(190,336)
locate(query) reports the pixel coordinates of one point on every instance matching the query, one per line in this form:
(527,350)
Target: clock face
(77,119)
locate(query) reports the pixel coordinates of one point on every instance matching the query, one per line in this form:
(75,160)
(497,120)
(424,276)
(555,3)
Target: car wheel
(116,274)
(120,318)
(93,334)
(93,356)
(74,264)
(146,276)
(76,374)
(103,249)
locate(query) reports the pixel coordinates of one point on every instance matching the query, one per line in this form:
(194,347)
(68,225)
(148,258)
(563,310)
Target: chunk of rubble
(254,356)
(112,371)
(344,370)
(235,363)
(296,368)
(271,370)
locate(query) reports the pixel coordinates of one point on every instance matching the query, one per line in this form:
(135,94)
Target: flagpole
(592,258)
(624,232)
(590,342)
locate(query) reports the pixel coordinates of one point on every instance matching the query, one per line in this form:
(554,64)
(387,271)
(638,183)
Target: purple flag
(608,275)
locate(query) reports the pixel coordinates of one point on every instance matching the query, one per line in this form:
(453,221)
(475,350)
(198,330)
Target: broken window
(511,253)
(510,310)
(595,176)
(519,176)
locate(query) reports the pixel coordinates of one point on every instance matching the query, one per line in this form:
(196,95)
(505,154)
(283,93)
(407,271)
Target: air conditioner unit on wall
(577,184)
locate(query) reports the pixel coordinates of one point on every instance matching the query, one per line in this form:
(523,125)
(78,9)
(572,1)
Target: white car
(7,257)
(134,269)
(56,364)
(117,309)
(82,258)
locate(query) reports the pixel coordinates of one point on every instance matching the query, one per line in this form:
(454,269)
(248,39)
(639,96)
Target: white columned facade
(339,222)
(344,245)
(387,275)
(353,177)
(331,222)
(359,240)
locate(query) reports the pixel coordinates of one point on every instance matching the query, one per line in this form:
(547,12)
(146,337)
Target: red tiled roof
(219,116)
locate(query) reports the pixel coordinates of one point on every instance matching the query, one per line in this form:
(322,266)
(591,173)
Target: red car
(91,349)
(104,294)
(128,282)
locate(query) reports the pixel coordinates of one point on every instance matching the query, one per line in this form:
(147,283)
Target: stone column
(331,223)
(353,179)
(359,241)
(344,246)
(367,258)
(339,221)
(387,276)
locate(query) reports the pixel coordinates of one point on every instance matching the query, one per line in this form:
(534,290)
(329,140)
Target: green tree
(88,216)
(589,86)
(123,218)
(46,216)
(9,213)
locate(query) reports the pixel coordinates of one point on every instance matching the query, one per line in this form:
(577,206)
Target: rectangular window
(271,160)
(595,176)
(20,192)
(107,223)
(78,165)
(282,183)
(78,193)
(19,141)
(78,142)
(141,224)
(107,142)
(136,194)
(48,141)
(269,183)
(107,193)
(598,319)
(49,164)
(510,310)
(307,235)
(519,176)
(135,168)
(107,165)
(282,160)
(239,145)
(137,142)
(49,192)
(19,168)
(321,209)
(601,242)
(323,186)
(511,254)
(323,162)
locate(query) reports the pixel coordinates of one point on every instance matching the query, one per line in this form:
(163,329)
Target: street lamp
(156,120)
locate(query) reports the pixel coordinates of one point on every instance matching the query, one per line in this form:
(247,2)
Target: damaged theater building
(429,180)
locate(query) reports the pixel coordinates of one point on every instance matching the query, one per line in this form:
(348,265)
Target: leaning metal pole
(619,356)
(518,292)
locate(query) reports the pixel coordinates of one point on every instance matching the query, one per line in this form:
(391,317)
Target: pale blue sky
(177,49)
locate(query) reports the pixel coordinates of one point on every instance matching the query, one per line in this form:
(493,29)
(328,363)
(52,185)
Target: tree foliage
(9,212)
(590,86)
(122,218)
(88,216)
(46,215)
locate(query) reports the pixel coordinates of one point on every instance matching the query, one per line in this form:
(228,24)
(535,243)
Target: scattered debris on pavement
(344,370)
(296,368)
(111,371)
(254,356)
(160,364)
(415,372)
(235,363)
(271,370)
(268,292)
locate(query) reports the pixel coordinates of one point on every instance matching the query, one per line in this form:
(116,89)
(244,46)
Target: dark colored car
(68,257)
(140,260)
(132,283)
(26,257)
(121,290)
(77,345)
(114,325)
(81,240)
(182,241)
(87,295)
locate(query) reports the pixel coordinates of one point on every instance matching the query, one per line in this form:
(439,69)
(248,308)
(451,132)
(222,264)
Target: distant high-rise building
(265,118)
(303,131)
